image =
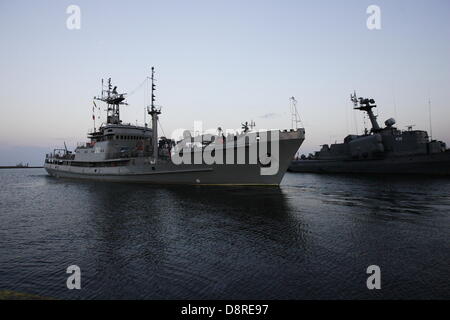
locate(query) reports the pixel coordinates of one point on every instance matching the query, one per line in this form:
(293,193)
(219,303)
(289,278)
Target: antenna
(145,117)
(93,116)
(395,107)
(109,87)
(429,112)
(154,112)
(295,117)
(354,99)
(153,88)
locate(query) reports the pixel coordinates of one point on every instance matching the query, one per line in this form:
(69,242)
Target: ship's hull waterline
(142,171)
(435,164)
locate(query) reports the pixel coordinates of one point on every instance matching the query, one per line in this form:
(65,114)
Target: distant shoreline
(14,167)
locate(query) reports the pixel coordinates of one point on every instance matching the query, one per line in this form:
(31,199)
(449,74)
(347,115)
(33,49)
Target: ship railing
(56,156)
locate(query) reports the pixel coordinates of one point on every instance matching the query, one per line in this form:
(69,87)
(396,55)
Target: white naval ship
(122,152)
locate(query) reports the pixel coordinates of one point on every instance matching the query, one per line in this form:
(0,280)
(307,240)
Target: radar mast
(295,117)
(113,101)
(153,111)
(366,104)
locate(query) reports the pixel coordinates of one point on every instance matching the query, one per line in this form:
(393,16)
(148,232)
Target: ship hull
(201,174)
(433,164)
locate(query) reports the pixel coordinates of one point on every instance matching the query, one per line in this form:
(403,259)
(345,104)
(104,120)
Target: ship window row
(120,137)
(93,164)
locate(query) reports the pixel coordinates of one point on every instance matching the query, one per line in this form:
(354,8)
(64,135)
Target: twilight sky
(221,62)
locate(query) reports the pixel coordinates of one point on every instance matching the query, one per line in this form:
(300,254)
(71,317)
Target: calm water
(311,238)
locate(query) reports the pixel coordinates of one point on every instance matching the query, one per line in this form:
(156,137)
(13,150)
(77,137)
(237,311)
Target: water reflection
(185,241)
(376,194)
(311,238)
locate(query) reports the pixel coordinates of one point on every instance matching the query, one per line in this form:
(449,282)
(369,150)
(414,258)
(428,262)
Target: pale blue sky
(222,62)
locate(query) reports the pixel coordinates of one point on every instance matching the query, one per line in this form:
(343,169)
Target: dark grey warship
(380,150)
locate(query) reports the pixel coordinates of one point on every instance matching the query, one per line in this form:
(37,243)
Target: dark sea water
(312,238)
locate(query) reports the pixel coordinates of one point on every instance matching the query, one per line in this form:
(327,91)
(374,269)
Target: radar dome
(389,122)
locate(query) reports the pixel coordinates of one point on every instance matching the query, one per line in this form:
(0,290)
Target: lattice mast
(113,99)
(154,112)
(295,117)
